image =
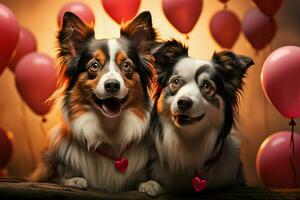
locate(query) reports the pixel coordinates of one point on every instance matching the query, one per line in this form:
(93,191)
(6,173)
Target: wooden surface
(17,189)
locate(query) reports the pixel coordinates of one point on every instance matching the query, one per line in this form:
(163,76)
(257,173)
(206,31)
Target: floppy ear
(166,55)
(140,29)
(232,66)
(72,38)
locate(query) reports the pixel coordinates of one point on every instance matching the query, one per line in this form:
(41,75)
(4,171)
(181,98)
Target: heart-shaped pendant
(121,165)
(199,184)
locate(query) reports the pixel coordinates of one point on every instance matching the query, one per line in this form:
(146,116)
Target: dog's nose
(184,103)
(112,86)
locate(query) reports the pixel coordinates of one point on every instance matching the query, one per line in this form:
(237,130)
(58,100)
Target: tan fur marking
(100,56)
(120,57)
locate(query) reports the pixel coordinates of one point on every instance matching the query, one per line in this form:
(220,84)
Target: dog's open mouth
(111,107)
(182,119)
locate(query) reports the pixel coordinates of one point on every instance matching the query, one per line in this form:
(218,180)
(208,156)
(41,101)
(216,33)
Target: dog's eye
(207,88)
(94,67)
(175,83)
(126,66)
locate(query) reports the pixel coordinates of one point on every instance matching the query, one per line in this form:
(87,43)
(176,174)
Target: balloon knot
(187,37)
(44,119)
(292,122)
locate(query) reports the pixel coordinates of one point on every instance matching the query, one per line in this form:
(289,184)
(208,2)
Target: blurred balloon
(26,44)
(83,11)
(9,35)
(224,1)
(273,160)
(280,80)
(258,28)
(268,7)
(121,10)
(183,14)
(36,81)
(6,147)
(225,28)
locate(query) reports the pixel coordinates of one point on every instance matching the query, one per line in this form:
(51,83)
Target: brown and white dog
(101,139)
(193,115)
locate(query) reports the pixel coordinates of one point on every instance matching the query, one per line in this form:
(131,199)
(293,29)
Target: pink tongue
(112,108)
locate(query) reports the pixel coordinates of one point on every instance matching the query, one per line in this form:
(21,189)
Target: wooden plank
(18,189)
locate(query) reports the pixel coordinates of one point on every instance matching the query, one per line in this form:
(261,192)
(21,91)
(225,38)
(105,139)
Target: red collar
(121,163)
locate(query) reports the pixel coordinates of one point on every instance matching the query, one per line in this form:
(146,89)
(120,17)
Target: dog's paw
(151,188)
(77,182)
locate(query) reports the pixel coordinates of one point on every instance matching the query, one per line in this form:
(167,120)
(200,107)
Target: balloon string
(225,6)
(292,123)
(30,146)
(44,120)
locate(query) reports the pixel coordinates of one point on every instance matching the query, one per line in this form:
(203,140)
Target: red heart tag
(199,184)
(121,165)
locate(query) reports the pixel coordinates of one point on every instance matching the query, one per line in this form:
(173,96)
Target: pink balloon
(9,35)
(121,10)
(83,11)
(36,81)
(258,28)
(280,78)
(6,147)
(225,28)
(183,14)
(273,160)
(268,7)
(26,44)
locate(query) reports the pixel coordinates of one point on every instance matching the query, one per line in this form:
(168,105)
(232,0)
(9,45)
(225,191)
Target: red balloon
(268,7)
(258,28)
(280,80)
(26,44)
(36,81)
(273,160)
(224,1)
(183,14)
(83,11)
(9,35)
(121,10)
(6,147)
(225,28)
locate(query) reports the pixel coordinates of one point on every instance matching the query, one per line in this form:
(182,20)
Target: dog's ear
(166,55)
(232,66)
(72,38)
(140,29)
(73,35)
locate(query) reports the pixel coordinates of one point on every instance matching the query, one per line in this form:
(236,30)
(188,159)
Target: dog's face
(197,94)
(109,75)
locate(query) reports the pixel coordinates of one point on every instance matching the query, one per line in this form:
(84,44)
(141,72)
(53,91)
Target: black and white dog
(194,106)
(100,141)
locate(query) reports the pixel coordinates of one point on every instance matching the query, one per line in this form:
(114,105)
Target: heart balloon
(268,7)
(258,28)
(6,147)
(83,11)
(273,160)
(280,80)
(121,10)
(26,44)
(9,35)
(183,14)
(225,28)
(36,81)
